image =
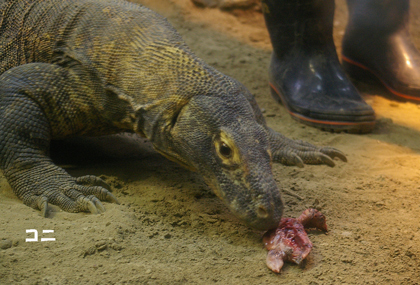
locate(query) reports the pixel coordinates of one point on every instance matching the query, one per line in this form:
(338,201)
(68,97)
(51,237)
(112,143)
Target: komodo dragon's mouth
(177,160)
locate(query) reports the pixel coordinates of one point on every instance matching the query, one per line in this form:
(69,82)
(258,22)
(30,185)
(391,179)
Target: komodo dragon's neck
(161,81)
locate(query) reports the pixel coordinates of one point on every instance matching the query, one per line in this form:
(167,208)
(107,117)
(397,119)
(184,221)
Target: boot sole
(360,72)
(325,125)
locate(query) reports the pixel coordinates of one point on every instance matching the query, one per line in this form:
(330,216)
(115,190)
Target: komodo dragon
(92,67)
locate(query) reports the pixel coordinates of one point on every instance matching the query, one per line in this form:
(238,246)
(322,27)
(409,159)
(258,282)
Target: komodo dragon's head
(219,137)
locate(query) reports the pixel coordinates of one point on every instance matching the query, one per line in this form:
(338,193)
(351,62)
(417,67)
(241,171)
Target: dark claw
(298,161)
(97,203)
(84,204)
(333,153)
(315,157)
(294,159)
(325,159)
(111,198)
(90,205)
(289,157)
(43,206)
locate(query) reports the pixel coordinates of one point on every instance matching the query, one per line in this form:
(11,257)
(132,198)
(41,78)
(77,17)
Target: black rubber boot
(305,73)
(377,41)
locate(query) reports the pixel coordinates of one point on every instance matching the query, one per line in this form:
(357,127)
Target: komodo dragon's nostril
(262,212)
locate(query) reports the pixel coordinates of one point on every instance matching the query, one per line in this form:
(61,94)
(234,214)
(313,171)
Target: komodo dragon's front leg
(298,152)
(293,152)
(39,102)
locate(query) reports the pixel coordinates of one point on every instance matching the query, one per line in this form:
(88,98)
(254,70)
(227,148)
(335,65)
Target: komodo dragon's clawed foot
(100,188)
(298,152)
(84,194)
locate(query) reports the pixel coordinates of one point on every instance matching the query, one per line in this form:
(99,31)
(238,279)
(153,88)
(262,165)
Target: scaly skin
(90,67)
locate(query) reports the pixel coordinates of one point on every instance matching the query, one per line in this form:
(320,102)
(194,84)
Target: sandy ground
(170,229)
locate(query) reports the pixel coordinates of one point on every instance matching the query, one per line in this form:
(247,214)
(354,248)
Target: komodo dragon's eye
(225,150)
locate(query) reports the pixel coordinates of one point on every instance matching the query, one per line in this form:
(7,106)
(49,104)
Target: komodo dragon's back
(99,33)
(91,67)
